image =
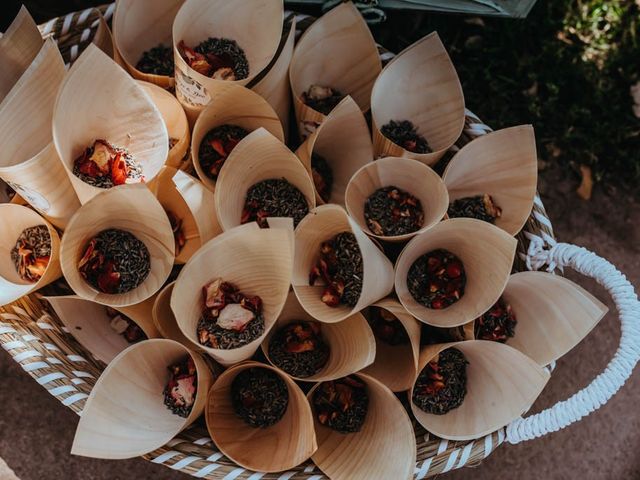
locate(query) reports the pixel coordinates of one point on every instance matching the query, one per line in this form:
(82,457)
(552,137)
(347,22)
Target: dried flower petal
(340,266)
(180,392)
(442,384)
(230,319)
(342,404)
(437,279)
(480,207)
(405,134)
(234,317)
(322,98)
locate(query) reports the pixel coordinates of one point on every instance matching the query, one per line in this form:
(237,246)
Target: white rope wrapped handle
(605,385)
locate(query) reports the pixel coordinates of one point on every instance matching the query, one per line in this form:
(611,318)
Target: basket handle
(605,385)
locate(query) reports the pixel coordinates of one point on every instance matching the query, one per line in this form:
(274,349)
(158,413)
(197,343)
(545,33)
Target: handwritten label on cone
(189,90)
(35,199)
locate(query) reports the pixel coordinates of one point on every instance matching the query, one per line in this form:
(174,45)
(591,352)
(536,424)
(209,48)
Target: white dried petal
(234,317)
(318,92)
(213,291)
(119,324)
(101,156)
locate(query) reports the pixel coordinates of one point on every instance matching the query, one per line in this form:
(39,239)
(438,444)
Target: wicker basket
(36,339)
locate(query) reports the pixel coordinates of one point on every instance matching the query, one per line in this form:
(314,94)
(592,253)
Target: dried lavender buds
(498,324)
(182,387)
(115,261)
(32,252)
(230,319)
(216,146)
(274,197)
(218,58)
(386,327)
(342,404)
(299,349)
(322,99)
(259,397)
(322,175)
(157,61)
(442,383)
(178,232)
(123,325)
(481,207)
(104,165)
(340,267)
(391,211)
(405,134)
(437,279)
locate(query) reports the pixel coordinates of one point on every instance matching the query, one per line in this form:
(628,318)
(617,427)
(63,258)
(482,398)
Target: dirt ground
(37,431)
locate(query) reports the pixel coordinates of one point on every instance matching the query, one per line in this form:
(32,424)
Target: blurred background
(571,68)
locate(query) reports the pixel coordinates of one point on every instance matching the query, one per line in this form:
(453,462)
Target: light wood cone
(503,164)
(324,223)
(125,415)
(343,141)
(102,38)
(235,105)
(258,261)
(29,163)
(502,384)
(19,45)
(274,86)
(89,324)
(409,175)
(99,100)
(256,26)
(385,447)
(427,92)
(164,319)
(131,208)
(553,314)
(396,365)
(188,200)
(259,156)
(337,51)
(174,119)
(487,255)
(351,342)
(279,447)
(140,25)
(13,220)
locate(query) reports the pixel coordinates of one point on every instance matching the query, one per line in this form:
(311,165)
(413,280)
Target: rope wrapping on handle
(621,365)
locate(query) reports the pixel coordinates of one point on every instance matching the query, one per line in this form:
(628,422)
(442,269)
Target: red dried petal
(36,269)
(438,304)
(109,278)
(454,270)
(299,347)
(230,144)
(88,253)
(119,170)
(217,145)
(246,216)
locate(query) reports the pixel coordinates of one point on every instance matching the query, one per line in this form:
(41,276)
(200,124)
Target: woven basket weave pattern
(36,339)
